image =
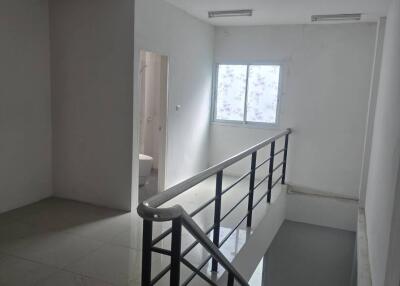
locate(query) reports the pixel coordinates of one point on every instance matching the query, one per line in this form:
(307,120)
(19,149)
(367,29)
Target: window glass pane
(262,97)
(231,92)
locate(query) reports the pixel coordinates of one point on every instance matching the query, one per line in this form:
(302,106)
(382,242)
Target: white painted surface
(92,92)
(188,43)
(382,203)
(322,211)
(281,12)
(25,119)
(376,71)
(325,99)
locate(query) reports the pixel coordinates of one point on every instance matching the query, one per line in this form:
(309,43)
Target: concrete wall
(92,89)
(383,188)
(25,119)
(369,125)
(189,43)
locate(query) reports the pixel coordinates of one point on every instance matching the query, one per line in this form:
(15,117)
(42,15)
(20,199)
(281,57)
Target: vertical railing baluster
(146,252)
(251,188)
(285,159)
(271,170)
(231,279)
(217,216)
(176,252)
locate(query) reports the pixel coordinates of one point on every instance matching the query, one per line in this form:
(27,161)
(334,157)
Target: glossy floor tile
(62,242)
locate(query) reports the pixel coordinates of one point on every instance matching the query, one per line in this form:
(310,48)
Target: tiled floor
(62,242)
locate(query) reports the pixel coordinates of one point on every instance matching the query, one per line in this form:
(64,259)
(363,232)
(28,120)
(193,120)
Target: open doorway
(153,84)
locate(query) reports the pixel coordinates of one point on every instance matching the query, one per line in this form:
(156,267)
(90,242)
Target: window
(247,93)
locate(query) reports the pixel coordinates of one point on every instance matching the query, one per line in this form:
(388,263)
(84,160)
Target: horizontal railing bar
(280,151)
(192,227)
(149,209)
(266,161)
(198,272)
(161,250)
(278,166)
(190,278)
(277,181)
(161,236)
(234,207)
(260,199)
(233,230)
(168,231)
(194,244)
(221,244)
(183,186)
(187,250)
(263,163)
(260,182)
(195,212)
(160,275)
(235,183)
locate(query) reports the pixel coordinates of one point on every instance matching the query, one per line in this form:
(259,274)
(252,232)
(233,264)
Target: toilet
(145,165)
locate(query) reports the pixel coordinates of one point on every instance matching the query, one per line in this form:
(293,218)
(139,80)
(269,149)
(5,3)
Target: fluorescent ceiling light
(230,13)
(336,17)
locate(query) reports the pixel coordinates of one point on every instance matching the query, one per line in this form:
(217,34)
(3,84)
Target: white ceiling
(281,11)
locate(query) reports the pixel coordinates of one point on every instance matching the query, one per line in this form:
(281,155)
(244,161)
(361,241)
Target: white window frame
(244,123)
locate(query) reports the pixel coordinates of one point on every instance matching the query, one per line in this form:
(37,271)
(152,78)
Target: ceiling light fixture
(336,17)
(230,13)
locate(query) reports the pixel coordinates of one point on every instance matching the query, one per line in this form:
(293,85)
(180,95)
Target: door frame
(164,86)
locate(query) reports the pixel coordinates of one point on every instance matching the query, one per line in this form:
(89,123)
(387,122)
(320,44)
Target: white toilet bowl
(145,165)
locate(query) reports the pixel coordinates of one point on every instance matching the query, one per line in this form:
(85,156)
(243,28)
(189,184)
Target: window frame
(244,122)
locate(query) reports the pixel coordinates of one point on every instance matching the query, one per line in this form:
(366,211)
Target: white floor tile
(12,234)
(20,272)
(64,278)
(114,264)
(104,229)
(53,248)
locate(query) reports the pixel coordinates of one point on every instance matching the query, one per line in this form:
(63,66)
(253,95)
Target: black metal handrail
(151,212)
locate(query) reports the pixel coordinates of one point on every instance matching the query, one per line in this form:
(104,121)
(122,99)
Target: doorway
(153,85)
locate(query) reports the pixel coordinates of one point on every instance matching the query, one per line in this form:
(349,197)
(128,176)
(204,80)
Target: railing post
(271,171)
(285,159)
(176,238)
(146,252)
(251,188)
(231,279)
(217,216)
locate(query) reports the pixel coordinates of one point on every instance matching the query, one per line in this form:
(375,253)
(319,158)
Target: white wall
(188,42)
(383,188)
(92,89)
(369,126)
(325,98)
(25,120)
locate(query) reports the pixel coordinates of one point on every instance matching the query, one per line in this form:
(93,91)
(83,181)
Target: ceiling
(281,11)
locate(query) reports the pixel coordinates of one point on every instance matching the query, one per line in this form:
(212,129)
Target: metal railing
(151,212)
